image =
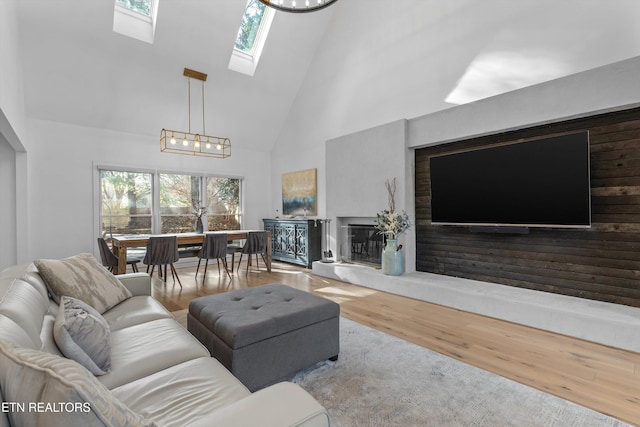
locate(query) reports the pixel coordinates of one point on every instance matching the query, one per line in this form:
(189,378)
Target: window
(136,18)
(179,201)
(140,6)
(251,38)
(249,27)
(125,203)
(223,203)
(148,202)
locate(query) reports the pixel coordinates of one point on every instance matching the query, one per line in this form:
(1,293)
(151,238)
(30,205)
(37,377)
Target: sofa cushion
(24,304)
(55,391)
(144,349)
(182,394)
(83,335)
(31,275)
(13,332)
(135,310)
(82,277)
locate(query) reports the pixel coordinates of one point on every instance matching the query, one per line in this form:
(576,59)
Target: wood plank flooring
(599,377)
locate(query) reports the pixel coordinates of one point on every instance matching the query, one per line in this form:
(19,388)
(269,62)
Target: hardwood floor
(599,377)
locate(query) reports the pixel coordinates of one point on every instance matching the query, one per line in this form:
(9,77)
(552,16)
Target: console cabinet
(297,241)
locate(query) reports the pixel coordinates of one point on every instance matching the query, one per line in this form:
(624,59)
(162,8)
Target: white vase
(392,259)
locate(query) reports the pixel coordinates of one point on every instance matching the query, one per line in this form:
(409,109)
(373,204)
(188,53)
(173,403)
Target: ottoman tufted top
(246,316)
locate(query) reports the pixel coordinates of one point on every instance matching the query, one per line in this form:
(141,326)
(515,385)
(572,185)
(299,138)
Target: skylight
(251,38)
(140,6)
(250,26)
(136,18)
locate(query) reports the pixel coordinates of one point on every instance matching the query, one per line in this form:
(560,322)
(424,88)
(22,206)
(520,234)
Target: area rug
(383,381)
(380,380)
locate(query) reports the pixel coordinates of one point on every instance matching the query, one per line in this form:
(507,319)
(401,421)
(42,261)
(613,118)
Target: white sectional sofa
(159,375)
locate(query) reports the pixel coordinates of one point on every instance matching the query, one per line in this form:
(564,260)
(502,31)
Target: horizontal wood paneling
(601,263)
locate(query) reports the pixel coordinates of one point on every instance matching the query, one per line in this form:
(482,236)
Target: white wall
(12,116)
(358,166)
(371,69)
(603,89)
(384,61)
(8,237)
(13,207)
(62,181)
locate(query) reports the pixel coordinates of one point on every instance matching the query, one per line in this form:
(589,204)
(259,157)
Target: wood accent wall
(601,263)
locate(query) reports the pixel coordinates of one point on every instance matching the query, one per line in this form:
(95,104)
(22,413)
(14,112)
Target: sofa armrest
(137,283)
(282,404)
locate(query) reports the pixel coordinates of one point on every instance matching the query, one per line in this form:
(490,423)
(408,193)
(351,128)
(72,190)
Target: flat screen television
(534,183)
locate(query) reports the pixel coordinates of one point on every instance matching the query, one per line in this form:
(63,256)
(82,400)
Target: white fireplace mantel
(357,167)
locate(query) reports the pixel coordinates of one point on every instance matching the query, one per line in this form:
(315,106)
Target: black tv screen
(535,183)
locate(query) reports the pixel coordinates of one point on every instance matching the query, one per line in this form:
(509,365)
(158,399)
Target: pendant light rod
(189,101)
(203,129)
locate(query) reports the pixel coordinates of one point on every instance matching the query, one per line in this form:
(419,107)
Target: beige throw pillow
(82,277)
(49,390)
(83,335)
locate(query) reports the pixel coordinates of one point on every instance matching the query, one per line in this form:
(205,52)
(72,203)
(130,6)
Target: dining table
(121,243)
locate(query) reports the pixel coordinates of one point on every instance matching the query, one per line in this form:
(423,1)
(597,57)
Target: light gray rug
(380,380)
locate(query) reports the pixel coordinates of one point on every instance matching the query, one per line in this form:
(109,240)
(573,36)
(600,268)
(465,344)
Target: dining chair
(162,251)
(110,260)
(256,244)
(214,247)
(233,248)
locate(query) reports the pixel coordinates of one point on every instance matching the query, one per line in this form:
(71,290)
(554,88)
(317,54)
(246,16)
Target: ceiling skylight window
(136,18)
(140,6)
(251,38)
(250,26)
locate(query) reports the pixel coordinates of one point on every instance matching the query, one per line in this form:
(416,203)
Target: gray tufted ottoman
(266,333)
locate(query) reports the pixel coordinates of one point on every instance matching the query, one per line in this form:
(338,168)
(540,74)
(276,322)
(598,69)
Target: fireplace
(360,244)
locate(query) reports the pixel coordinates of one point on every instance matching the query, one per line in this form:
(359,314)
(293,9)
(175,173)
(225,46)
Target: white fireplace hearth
(610,324)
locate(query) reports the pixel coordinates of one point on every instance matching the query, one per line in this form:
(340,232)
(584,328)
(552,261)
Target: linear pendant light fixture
(298,6)
(194,144)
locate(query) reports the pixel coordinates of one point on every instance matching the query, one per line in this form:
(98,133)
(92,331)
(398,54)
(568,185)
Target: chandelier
(298,6)
(194,144)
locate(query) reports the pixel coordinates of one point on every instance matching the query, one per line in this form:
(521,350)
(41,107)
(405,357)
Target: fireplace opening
(362,244)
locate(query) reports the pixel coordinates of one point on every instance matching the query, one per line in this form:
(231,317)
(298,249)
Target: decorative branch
(391,189)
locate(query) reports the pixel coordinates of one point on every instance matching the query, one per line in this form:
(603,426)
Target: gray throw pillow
(83,335)
(57,392)
(82,277)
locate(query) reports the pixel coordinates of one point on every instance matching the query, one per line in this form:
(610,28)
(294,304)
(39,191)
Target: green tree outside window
(250,26)
(140,6)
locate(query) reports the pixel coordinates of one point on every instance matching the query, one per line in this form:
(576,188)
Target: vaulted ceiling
(77,70)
